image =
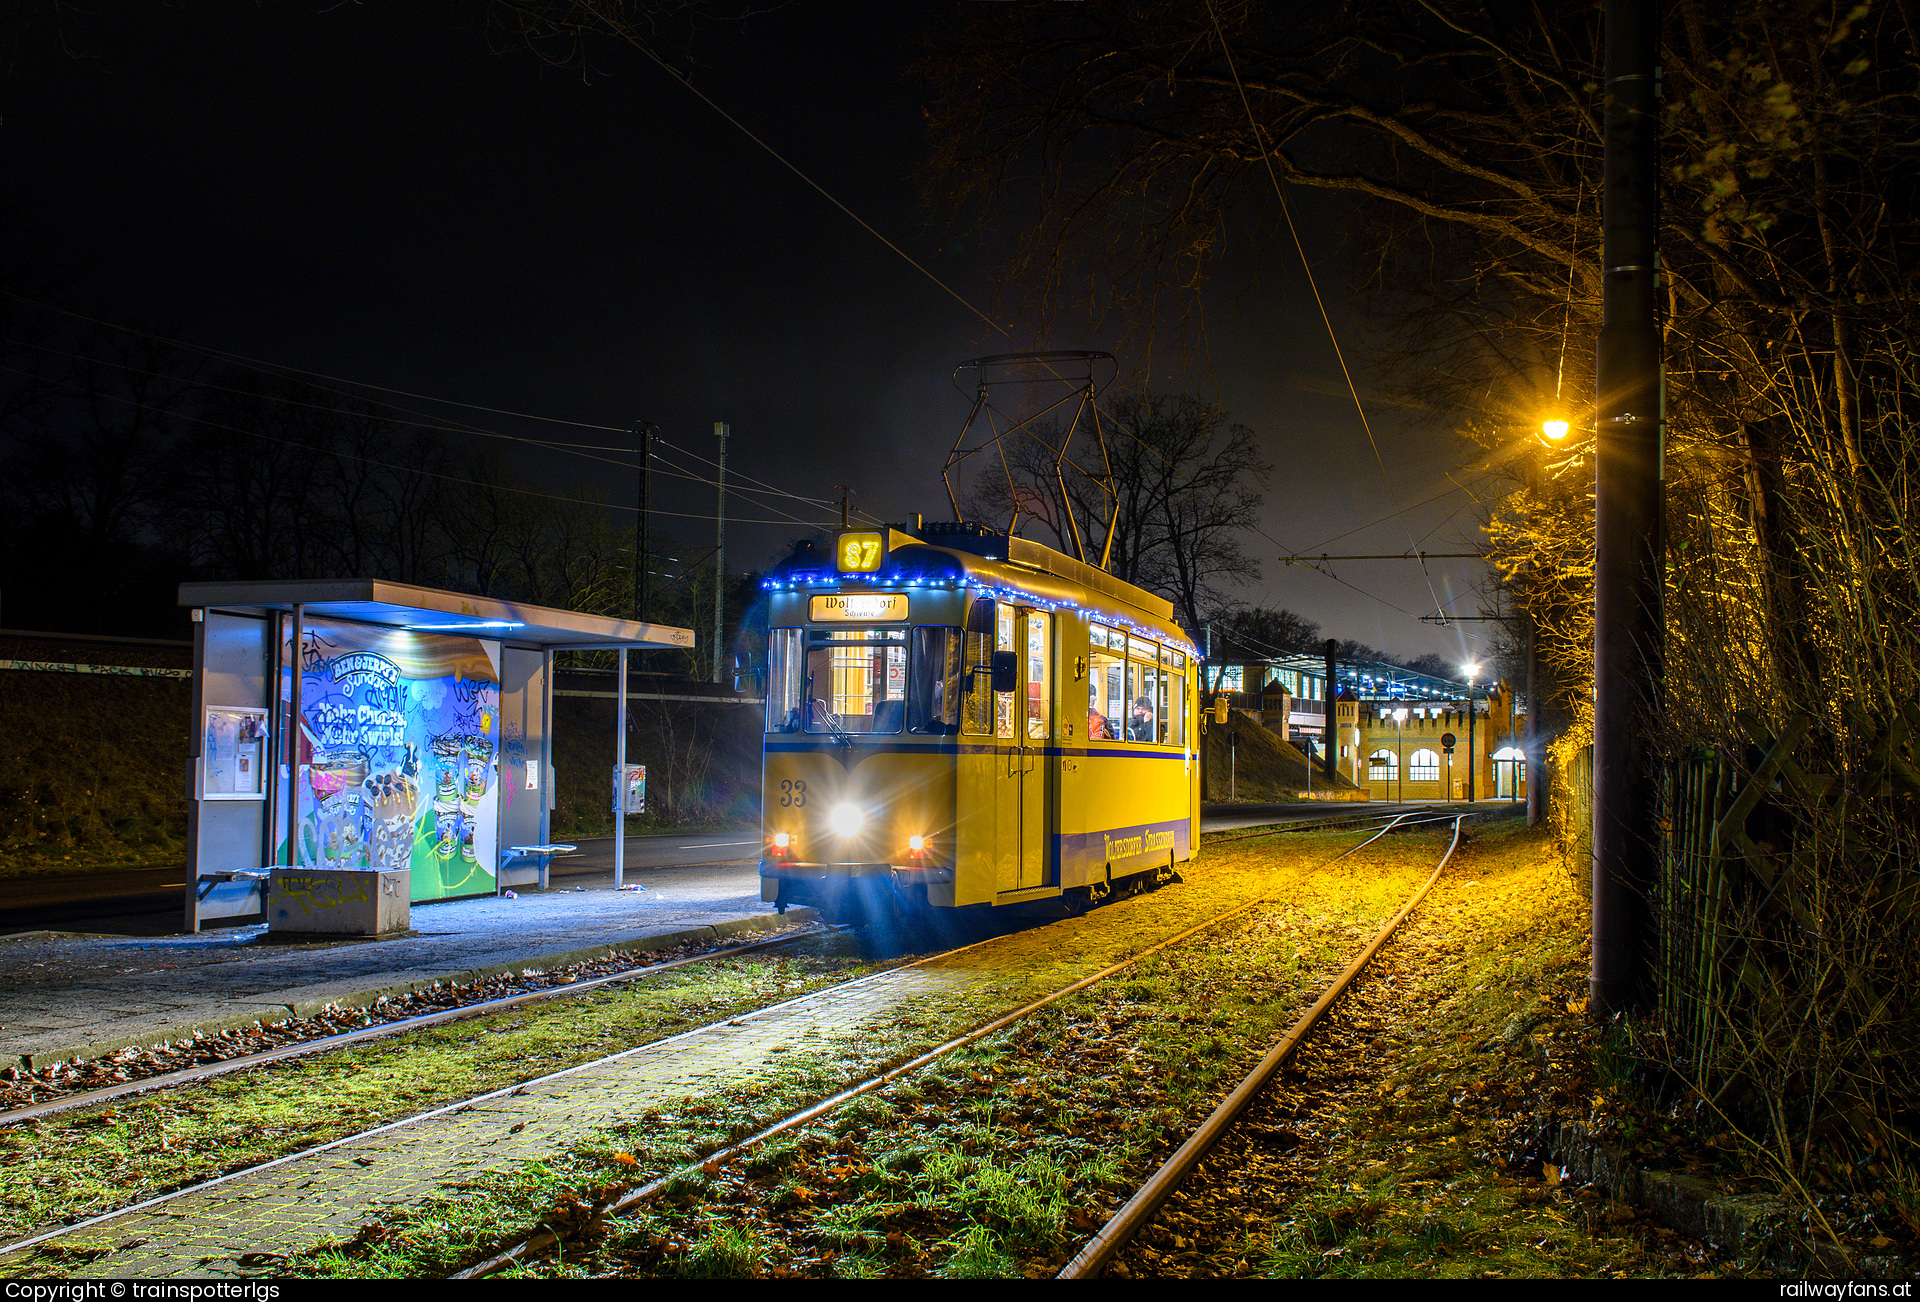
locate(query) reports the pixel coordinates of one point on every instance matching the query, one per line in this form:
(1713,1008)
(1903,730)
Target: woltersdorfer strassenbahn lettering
(862,607)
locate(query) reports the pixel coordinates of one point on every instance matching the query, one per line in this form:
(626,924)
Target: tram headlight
(846,820)
(782,841)
(916,843)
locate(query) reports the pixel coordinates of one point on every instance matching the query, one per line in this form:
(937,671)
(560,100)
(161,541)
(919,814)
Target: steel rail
(1131,1218)
(400,1026)
(545,1239)
(1341,823)
(1310,824)
(332,1042)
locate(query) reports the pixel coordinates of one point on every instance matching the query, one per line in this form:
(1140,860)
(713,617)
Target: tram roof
(980,556)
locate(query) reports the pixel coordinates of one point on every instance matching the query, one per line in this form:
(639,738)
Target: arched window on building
(1424,766)
(1382,766)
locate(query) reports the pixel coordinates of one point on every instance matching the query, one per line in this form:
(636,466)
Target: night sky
(395,196)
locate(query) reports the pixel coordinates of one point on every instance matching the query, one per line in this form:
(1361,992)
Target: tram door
(1036,730)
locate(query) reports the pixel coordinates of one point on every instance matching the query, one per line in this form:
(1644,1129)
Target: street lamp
(1554,429)
(1472,670)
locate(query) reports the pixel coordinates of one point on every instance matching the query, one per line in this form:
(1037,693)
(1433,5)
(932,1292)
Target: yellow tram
(957,718)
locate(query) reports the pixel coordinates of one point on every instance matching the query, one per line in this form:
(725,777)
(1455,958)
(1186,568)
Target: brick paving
(328,1193)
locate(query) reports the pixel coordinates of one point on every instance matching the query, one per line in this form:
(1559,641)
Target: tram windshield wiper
(821,714)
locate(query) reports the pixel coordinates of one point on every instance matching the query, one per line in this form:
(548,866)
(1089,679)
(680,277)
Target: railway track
(1140,1208)
(309,1036)
(639,965)
(1400,821)
(535,1243)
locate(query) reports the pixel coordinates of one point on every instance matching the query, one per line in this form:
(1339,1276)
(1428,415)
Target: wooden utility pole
(1629,651)
(720,561)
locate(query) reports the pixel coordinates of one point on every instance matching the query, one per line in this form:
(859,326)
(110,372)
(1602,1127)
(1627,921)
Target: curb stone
(1697,1208)
(267,1011)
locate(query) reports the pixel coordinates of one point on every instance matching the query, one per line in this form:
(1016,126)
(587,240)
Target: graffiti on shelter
(321,891)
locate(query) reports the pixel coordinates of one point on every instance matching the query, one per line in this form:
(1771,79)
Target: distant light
(1554,429)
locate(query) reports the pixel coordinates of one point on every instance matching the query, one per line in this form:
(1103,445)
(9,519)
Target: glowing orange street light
(1554,429)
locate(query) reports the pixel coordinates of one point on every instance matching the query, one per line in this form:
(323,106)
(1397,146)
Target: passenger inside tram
(1140,726)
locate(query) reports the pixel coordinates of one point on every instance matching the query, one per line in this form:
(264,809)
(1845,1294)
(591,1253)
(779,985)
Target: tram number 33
(793,795)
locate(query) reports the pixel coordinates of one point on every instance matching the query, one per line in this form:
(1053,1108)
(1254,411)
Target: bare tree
(1180,478)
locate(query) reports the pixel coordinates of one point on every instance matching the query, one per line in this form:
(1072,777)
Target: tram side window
(977,672)
(1039,681)
(1106,685)
(786,679)
(1003,641)
(934,704)
(1146,718)
(1177,698)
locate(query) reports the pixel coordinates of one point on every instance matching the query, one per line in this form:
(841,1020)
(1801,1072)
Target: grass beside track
(1398,1143)
(1046,1121)
(75,1165)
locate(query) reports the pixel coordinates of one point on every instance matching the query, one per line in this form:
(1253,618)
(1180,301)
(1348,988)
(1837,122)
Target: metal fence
(1786,895)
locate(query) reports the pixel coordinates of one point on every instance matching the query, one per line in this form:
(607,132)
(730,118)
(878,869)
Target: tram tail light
(917,844)
(782,846)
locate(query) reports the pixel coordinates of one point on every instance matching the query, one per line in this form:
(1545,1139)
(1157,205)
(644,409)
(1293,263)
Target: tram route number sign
(856,607)
(859,551)
(1446,742)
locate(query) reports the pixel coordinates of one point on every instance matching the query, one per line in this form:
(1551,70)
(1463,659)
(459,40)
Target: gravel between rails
(740,1197)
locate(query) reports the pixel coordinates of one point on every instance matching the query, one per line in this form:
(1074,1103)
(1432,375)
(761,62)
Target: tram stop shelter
(421,766)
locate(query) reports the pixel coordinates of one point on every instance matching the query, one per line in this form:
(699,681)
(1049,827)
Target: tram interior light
(846,820)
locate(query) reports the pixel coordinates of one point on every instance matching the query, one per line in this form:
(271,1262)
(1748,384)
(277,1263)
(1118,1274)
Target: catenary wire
(374,461)
(1266,157)
(592,452)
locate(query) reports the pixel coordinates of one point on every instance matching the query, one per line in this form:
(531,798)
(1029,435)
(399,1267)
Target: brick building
(1394,758)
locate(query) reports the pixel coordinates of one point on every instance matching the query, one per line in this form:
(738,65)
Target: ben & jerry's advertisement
(398,756)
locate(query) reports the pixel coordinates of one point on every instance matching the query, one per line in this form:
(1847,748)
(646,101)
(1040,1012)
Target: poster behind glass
(398,756)
(232,753)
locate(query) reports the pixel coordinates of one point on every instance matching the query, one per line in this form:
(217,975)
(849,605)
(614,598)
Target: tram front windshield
(863,680)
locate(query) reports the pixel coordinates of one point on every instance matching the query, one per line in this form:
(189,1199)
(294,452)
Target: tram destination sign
(860,551)
(857,607)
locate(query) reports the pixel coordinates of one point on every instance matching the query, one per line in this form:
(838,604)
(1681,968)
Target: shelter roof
(430,610)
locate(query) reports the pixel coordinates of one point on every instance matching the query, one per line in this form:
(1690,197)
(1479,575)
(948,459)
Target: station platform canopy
(1371,680)
(430,610)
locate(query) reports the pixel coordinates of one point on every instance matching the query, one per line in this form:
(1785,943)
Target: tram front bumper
(775,871)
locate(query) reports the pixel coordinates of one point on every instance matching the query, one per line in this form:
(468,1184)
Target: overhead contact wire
(1286,211)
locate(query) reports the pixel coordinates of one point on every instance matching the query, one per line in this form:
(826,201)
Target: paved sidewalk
(67,997)
(327,1194)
